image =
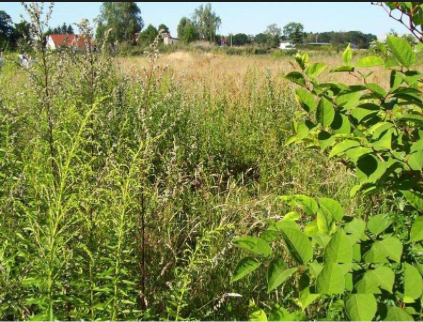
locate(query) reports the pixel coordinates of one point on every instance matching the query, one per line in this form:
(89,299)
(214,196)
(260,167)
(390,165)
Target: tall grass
(121,192)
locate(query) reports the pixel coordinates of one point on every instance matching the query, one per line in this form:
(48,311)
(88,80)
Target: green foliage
(147,36)
(206,22)
(340,39)
(363,266)
(119,22)
(294,31)
(377,132)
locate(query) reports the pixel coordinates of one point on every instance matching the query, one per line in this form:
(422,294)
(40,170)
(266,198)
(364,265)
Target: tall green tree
(207,22)
(164,28)
(294,31)
(187,32)
(240,39)
(22,33)
(147,36)
(123,19)
(6,29)
(274,34)
(261,38)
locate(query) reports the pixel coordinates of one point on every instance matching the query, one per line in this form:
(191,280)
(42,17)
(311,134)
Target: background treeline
(125,27)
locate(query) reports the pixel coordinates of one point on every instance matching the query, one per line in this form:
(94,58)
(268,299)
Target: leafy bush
(377,132)
(344,267)
(367,269)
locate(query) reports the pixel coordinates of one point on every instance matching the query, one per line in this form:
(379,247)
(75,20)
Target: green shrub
(335,266)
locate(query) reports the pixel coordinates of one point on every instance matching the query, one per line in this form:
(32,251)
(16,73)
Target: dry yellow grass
(219,71)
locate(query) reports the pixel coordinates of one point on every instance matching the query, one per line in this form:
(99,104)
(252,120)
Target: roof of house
(68,40)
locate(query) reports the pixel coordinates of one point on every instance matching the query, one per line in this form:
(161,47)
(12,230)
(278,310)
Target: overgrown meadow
(129,187)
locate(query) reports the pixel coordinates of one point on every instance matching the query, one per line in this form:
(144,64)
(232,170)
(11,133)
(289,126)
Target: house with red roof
(57,41)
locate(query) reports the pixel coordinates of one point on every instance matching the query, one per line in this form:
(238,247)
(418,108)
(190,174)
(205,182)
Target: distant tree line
(12,34)
(122,23)
(61,30)
(358,38)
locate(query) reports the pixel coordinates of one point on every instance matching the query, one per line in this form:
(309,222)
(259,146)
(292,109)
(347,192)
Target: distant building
(76,42)
(286,44)
(223,42)
(168,39)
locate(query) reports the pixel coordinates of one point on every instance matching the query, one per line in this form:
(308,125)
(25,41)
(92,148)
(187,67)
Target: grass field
(124,182)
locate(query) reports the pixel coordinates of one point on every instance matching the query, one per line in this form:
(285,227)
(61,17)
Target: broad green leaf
(383,143)
(315,69)
(339,249)
(379,91)
(286,224)
(416,233)
(298,244)
(333,207)
(342,146)
(416,160)
(348,100)
(315,268)
(304,128)
(392,247)
(245,267)
(306,100)
(356,251)
(325,112)
(279,314)
(309,205)
(277,274)
(296,78)
(341,124)
(306,298)
(414,199)
(325,222)
(322,240)
(347,55)
(384,277)
(370,169)
(367,285)
(379,223)
(256,314)
(389,247)
(269,236)
(325,139)
(380,128)
(342,69)
(302,60)
(355,229)
(370,61)
(292,216)
(311,229)
(331,279)
(255,245)
(413,284)
(402,51)
(397,314)
(361,307)
(365,111)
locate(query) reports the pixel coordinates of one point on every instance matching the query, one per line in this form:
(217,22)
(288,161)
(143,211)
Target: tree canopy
(6,29)
(186,30)
(147,36)
(240,39)
(358,38)
(294,31)
(122,18)
(62,30)
(206,22)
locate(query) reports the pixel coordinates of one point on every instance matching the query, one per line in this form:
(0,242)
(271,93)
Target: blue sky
(248,17)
